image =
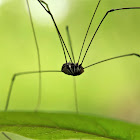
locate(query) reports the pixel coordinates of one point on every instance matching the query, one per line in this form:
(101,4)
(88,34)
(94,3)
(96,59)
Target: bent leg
(131,54)
(20,74)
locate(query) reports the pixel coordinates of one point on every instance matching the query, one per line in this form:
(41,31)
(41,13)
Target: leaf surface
(39,125)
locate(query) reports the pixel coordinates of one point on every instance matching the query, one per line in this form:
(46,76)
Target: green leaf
(39,125)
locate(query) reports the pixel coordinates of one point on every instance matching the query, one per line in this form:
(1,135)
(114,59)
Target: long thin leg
(74,80)
(19,74)
(131,54)
(88,29)
(59,34)
(70,43)
(112,10)
(38,55)
(75,95)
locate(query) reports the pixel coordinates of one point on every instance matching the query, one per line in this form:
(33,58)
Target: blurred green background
(110,89)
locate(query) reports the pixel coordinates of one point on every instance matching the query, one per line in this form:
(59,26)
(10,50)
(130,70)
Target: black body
(72,69)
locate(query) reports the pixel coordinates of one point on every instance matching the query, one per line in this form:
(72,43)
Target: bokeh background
(110,89)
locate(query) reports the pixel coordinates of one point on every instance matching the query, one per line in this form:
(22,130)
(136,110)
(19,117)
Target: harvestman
(69,68)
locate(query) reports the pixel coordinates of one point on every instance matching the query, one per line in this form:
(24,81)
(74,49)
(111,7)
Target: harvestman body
(70,68)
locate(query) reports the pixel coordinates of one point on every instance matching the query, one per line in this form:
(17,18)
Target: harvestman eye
(70,67)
